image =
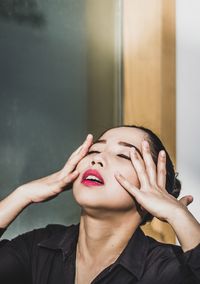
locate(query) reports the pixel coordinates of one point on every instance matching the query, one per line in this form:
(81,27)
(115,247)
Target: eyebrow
(120,143)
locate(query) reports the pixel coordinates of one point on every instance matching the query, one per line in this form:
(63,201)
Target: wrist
(176,215)
(23,196)
(11,206)
(186,228)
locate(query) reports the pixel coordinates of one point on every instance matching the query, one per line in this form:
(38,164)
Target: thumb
(186,200)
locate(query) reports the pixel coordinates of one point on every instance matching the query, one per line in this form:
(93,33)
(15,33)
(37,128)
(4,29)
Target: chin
(86,197)
(97,200)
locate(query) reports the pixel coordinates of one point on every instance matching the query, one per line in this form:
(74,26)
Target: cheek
(132,178)
(82,164)
(116,189)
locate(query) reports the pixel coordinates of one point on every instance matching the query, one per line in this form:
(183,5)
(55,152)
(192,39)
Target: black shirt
(47,256)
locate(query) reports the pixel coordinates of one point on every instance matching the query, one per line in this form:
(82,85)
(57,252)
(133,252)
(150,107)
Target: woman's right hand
(49,187)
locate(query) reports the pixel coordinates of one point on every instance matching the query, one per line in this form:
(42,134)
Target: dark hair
(173,185)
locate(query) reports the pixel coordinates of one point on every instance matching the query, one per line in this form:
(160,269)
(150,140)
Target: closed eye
(92,152)
(119,155)
(124,156)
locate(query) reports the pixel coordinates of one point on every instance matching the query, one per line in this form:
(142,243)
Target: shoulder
(172,263)
(170,250)
(156,251)
(39,235)
(51,230)
(163,252)
(164,260)
(55,229)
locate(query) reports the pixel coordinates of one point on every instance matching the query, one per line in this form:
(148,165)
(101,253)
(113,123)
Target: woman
(120,181)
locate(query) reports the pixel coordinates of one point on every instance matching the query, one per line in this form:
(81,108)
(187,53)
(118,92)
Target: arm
(42,189)
(11,206)
(186,228)
(16,255)
(153,197)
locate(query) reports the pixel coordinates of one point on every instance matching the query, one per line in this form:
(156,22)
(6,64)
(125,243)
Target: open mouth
(92,178)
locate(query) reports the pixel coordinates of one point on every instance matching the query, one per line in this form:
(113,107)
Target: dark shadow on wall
(22,12)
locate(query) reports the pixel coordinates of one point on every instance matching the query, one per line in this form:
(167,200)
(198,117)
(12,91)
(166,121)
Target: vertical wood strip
(142,62)
(168,83)
(149,77)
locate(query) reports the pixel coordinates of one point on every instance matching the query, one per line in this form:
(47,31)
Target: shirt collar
(132,258)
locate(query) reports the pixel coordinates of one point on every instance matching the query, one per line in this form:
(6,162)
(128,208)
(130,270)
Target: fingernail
(118,175)
(146,144)
(89,136)
(162,153)
(133,151)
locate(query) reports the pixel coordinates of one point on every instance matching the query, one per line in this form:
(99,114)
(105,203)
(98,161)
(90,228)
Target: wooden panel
(142,68)
(168,84)
(149,76)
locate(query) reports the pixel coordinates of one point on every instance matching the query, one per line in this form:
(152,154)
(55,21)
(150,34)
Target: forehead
(126,134)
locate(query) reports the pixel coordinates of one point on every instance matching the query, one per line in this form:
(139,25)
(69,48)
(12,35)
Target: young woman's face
(109,155)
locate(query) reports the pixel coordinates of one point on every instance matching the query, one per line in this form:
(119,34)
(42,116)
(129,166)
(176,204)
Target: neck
(105,237)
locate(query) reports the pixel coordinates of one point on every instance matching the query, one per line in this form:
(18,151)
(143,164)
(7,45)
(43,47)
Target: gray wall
(45,79)
(42,99)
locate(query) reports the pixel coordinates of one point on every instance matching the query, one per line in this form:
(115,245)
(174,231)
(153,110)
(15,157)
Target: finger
(77,151)
(85,144)
(161,170)
(186,200)
(134,191)
(77,155)
(62,183)
(140,169)
(149,163)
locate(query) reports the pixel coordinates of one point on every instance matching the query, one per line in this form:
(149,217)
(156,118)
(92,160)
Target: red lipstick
(92,178)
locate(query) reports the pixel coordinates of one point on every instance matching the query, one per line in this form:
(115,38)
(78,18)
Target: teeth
(91,177)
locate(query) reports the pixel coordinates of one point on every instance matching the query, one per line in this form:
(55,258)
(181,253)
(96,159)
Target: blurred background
(69,67)
(188,99)
(59,80)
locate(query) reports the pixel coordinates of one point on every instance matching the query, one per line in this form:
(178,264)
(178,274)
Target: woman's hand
(42,189)
(152,195)
(154,198)
(48,187)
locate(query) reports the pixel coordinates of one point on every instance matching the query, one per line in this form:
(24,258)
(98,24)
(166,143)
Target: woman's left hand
(152,195)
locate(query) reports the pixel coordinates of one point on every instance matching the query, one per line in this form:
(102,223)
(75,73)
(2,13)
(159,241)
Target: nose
(98,160)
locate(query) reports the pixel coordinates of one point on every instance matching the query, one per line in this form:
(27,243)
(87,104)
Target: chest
(103,276)
(53,268)
(50,267)
(85,274)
